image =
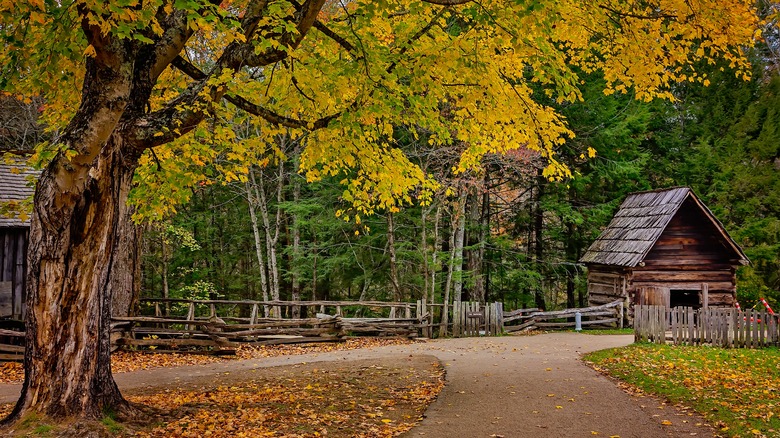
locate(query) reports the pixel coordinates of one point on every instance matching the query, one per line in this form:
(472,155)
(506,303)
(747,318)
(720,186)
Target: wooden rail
(607,315)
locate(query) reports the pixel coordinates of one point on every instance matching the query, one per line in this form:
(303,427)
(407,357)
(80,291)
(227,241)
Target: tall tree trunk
(460,233)
(73,248)
(450,269)
(253,201)
(538,234)
(165,262)
(455,263)
(271,231)
(571,268)
(426,267)
(434,256)
(397,295)
(315,252)
(477,235)
(296,251)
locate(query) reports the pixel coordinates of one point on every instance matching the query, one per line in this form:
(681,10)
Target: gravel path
(511,386)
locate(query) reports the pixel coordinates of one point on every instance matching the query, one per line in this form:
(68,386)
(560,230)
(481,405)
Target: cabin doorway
(684,298)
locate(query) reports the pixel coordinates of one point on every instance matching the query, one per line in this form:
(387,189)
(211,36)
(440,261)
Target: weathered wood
(175,343)
(301,340)
(280,331)
(162,320)
(11,357)
(515,328)
(5,348)
(724,327)
(520,312)
(572,323)
(699,276)
(11,333)
(253,315)
(6,298)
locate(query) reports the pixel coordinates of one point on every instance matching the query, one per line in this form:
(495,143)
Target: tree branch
(270,116)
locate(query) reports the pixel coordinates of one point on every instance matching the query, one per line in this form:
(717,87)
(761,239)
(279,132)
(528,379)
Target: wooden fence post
(253,316)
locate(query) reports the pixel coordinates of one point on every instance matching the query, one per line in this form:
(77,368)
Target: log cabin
(664,247)
(15,188)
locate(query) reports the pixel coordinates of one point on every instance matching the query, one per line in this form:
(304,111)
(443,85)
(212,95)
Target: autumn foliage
(737,390)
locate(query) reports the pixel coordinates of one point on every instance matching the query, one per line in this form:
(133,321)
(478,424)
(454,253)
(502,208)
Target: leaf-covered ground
(124,361)
(737,390)
(334,399)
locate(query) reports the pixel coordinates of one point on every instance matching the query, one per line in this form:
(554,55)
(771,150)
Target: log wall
(606,284)
(689,256)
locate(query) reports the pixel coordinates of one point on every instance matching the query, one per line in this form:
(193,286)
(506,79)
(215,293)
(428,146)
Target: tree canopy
(476,73)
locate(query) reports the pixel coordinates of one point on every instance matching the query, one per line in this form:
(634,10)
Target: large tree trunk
(125,277)
(73,249)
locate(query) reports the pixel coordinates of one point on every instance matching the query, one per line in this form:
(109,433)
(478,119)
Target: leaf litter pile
(738,390)
(354,399)
(367,398)
(125,361)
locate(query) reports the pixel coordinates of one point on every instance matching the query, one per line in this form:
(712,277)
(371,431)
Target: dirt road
(512,386)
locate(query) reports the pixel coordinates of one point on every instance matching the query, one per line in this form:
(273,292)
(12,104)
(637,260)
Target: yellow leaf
(90,51)
(666,423)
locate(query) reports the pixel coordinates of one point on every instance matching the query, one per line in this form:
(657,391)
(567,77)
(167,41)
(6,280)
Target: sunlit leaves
(474,74)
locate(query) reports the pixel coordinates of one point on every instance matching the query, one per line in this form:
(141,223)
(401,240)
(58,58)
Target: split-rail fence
(220,326)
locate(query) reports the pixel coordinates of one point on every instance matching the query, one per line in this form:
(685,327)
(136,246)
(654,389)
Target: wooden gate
(474,319)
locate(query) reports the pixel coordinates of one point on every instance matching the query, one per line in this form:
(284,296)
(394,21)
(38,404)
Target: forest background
(502,231)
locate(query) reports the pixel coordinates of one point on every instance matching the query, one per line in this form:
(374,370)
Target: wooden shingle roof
(15,185)
(640,221)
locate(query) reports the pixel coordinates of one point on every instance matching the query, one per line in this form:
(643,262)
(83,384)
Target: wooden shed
(14,231)
(664,247)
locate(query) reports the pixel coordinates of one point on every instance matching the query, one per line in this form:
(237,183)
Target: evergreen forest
(501,231)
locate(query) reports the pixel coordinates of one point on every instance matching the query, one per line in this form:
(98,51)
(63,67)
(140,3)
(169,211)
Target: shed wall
(606,284)
(13,269)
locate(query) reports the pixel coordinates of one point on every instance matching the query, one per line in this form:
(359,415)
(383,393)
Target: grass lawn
(738,390)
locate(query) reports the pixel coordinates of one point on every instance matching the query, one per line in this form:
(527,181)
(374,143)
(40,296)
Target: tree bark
(538,234)
(397,294)
(477,234)
(253,201)
(296,251)
(448,283)
(434,256)
(80,197)
(73,252)
(125,277)
(460,233)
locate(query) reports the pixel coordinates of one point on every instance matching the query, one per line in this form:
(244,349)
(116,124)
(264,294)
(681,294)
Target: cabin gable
(664,247)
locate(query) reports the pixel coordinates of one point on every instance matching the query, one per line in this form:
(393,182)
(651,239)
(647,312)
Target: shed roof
(640,221)
(15,186)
